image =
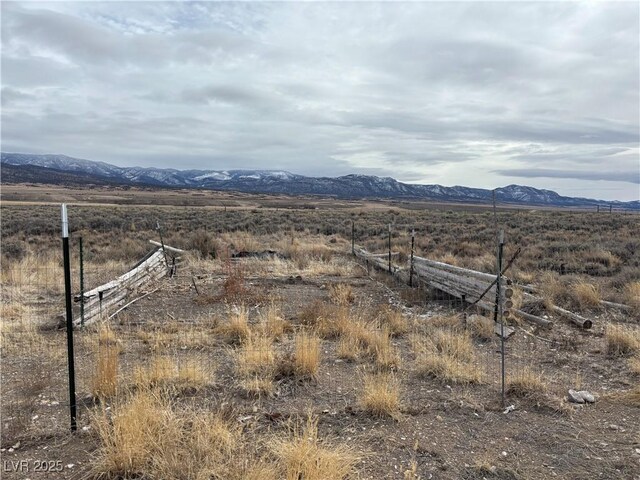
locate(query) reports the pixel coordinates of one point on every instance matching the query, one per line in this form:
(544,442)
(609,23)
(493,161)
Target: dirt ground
(442,432)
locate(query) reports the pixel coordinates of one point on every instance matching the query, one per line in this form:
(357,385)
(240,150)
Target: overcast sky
(476,94)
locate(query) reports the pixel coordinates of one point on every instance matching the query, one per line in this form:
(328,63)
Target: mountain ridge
(62,169)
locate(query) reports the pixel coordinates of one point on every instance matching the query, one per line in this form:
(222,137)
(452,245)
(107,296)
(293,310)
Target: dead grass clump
(233,287)
(348,348)
(450,258)
(146,437)
(481,327)
(258,385)
(585,296)
(526,383)
(272,324)
(306,356)
(255,356)
(135,430)
(381,395)
(632,397)
(552,289)
(379,347)
(303,455)
(394,320)
(454,344)
(236,330)
(448,369)
(256,365)
(165,373)
(632,296)
(634,364)
(341,294)
(621,340)
(328,320)
(105,379)
(446,321)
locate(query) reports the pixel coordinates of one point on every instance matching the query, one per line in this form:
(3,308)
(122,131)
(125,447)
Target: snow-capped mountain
(18,167)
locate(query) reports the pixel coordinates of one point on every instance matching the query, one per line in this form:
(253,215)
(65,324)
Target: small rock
(509,409)
(575,397)
(587,396)
(70,465)
(16,446)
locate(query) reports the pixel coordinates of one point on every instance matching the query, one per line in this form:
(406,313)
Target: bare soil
(443,431)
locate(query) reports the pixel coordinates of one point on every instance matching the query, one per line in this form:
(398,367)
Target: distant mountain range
(60,169)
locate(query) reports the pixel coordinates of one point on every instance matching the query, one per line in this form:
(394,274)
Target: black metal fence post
(81,284)
(389,248)
(67,291)
(413,238)
(353,237)
(498,315)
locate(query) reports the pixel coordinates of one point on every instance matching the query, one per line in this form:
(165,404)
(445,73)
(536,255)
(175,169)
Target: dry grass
(328,320)
(165,373)
(621,340)
(256,366)
(381,395)
(341,294)
(551,288)
(448,369)
(135,430)
(306,357)
(379,347)
(481,327)
(455,344)
(272,324)
(634,364)
(236,330)
(585,296)
(146,437)
(348,348)
(258,385)
(632,296)
(105,378)
(526,383)
(303,455)
(394,320)
(256,355)
(446,321)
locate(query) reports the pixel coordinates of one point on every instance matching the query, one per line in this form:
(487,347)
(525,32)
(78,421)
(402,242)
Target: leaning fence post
(67,292)
(166,261)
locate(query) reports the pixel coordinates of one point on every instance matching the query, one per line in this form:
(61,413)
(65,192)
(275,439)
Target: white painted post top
(65,222)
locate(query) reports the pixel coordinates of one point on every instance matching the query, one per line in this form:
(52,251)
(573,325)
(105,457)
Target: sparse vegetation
(184,378)
(526,383)
(303,454)
(621,340)
(105,379)
(236,329)
(381,395)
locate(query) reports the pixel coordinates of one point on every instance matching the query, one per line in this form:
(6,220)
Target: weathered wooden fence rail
(101,300)
(473,287)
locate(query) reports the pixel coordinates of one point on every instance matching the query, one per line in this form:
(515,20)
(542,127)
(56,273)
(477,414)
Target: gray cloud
(451,93)
(631,176)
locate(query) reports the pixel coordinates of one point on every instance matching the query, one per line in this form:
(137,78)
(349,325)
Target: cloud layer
(479,94)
